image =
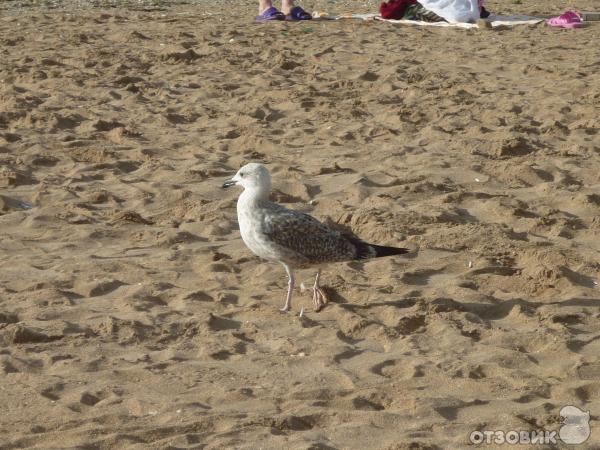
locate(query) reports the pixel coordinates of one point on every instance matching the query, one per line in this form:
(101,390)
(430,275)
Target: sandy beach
(132,316)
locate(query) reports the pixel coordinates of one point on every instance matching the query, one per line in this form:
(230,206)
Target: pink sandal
(570,19)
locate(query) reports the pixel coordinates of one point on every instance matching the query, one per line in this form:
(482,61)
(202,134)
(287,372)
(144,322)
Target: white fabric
(454,11)
(496,21)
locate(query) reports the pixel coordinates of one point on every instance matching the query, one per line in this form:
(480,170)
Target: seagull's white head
(252,176)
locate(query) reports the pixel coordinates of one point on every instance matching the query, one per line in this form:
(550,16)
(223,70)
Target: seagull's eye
(242,174)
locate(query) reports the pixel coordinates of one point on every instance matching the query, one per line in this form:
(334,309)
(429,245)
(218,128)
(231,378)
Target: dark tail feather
(365,251)
(381,250)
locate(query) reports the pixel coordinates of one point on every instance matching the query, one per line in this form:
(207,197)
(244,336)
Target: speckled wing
(306,236)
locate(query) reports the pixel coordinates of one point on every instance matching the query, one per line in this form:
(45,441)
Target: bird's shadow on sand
(496,309)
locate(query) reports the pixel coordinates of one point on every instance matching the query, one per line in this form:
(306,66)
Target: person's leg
(286,6)
(263,5)
(294,12)
(266,11)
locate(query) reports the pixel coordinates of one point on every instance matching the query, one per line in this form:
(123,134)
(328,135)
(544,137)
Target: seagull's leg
(288,298)
(319,297)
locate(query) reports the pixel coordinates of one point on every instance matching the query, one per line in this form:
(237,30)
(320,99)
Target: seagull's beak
(229,183)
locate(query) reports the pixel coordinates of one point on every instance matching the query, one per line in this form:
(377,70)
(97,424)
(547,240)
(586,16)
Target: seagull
(292,238)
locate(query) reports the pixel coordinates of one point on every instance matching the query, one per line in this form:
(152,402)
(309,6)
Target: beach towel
(494,20)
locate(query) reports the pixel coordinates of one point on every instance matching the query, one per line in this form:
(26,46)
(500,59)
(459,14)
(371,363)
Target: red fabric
(394,9)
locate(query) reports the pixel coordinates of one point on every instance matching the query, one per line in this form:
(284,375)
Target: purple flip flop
(298,13)
(271,13)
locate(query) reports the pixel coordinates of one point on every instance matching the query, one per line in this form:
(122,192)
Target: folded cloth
(454,11)
(395,9)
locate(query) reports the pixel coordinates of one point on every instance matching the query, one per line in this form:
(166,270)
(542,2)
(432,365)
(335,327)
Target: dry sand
(132,315)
